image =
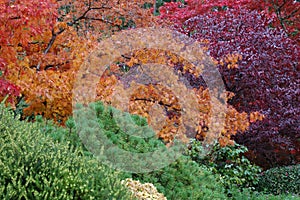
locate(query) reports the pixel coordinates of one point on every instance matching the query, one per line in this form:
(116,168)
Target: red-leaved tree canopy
(265,75)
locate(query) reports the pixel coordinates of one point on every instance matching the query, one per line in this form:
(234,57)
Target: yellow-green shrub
(33,166)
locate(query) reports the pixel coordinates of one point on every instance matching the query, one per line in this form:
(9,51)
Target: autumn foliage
(100,19)
(42,54)
(255,45)
(281,13)
(20,22)
(145,97)
(263,71)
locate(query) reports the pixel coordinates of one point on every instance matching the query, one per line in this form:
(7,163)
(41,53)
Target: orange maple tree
(43,45)
(20,22)
(100,19)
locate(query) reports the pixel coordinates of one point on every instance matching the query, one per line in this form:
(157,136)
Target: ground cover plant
(184,178)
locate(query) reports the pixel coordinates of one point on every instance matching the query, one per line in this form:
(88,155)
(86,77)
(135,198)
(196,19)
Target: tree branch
(83,16)
(159,102)
(51,42)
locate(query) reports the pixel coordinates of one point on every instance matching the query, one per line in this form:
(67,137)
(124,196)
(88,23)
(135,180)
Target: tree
(283,13)
(149,95)
(288,16)
(103,18)
(41,53)
(19,22)
(45,62)
(264,76)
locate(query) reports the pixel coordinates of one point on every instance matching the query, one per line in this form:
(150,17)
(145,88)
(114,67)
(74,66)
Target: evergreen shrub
(185,179)
(281,180)
(33,166)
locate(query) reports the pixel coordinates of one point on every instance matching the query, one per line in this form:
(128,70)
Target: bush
(247,194)
(33,166)
(106,119)
(281,180)
(184,179)
(143,191)
(229,162)
(115,131)
(67,135)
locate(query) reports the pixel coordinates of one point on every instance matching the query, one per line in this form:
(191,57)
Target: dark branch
(159,102)
(83,16)
(98,19)
(51,42)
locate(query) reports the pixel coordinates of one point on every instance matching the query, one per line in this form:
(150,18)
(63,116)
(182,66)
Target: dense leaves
(283,13)
(29,32)
(99,19)
(288,16)
(10,90)
(229,162)
(33,166)
(281,180)
(43,43)
(44,65)
(265,78)
(150,95)
(185,179)
(41,53)
(20,22)
(254,43)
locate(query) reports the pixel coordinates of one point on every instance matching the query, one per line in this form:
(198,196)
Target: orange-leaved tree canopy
(45,42)
(20,22)
(102,18)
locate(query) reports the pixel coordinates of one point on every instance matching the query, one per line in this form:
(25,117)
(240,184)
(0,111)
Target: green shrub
(234,168)
(281,180)
(247,194)
(184,179)
(67,135)
(115,131)
(33,166)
